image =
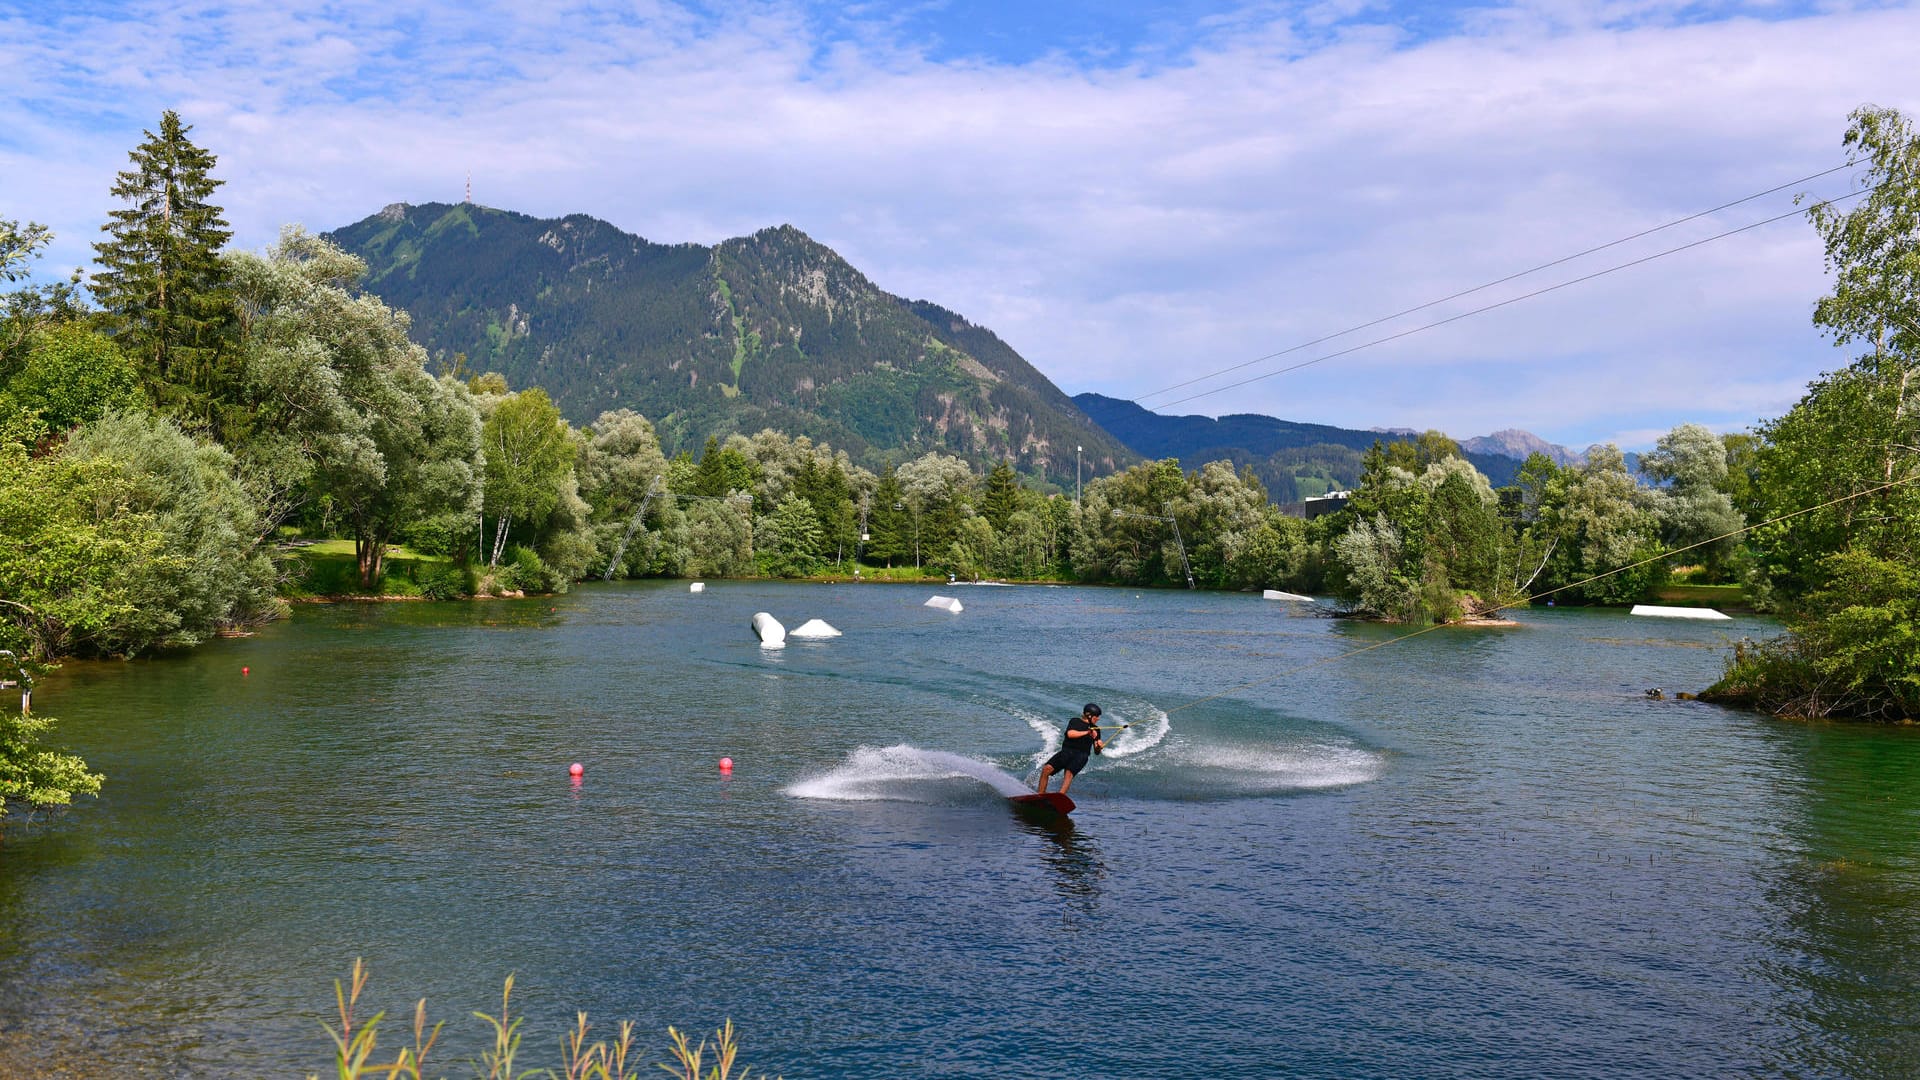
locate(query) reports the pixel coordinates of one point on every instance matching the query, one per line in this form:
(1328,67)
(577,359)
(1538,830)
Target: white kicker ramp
(1678,612)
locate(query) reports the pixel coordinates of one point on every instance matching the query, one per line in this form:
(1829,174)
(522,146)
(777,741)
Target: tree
(623,476)
(210,571)
(1426,547)
(25,312)
(1602,523)
(346,410)
(722,471)
(72,375)
(938,490)
(161,279)
(720,537)
(1414,455)
(1002,495)
(821,480)
(789,539)
(890,533)
(32,775)
(1873,249)
(1857,428)
(70,543)
(1122,534)
(19,245)
(1845,464)
(528,455)
(1692,462)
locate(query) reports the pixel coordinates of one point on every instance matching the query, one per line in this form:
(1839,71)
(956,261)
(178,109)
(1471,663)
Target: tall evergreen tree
(889,535)
(162,282)
(1002,497)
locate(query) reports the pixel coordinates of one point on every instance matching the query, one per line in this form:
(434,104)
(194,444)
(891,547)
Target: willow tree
(347,410)
(161,279)
(1845,463)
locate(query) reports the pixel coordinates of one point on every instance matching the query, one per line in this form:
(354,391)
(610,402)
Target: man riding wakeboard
(1082,738)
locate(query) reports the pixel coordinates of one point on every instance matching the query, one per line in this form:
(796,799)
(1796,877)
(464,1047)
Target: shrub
(328,575)
(442,581)
(529,572)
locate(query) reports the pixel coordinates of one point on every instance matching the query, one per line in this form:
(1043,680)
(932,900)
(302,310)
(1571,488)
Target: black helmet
(1090,710)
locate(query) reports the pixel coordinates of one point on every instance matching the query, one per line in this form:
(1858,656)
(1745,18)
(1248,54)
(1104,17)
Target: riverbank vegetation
(356,1045)
(1838,476)
(170,432)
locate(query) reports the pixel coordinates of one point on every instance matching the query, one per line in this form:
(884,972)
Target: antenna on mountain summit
(469,187)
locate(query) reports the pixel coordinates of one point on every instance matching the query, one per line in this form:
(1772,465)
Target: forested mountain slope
(770,330)
(1293,460)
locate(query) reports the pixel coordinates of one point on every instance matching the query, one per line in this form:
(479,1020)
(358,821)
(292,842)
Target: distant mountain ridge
(1294,460)
(769,330)
(1520,445)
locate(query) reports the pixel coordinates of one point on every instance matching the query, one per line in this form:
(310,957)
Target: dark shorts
(1068,761)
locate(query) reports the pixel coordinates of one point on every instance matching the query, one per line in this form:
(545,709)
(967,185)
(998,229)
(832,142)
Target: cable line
(1549,592)
(1511,300)
(1479,288)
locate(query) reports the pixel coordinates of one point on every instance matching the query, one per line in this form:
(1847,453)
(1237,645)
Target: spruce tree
(161,279)
(1003,495)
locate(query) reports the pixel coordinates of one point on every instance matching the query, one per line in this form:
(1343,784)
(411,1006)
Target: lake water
(1471,853)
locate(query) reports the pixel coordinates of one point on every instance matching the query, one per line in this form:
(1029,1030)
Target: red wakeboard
(1051,802)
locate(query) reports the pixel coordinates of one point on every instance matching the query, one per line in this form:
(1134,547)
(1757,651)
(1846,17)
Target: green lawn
(328,568)
(1715,595)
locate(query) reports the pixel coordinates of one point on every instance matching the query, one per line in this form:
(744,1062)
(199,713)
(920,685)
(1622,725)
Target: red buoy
(726,764)
(575,769)
(244,669)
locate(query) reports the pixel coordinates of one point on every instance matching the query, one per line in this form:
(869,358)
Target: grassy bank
(326,569)
(1716,596)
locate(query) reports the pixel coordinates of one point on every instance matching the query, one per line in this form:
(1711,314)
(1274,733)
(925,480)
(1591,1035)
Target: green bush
(328,575)
(1852,650)
(528,571)
(441,580)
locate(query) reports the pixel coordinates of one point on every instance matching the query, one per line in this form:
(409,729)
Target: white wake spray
(1146,727)
(1306,766)
(902,773)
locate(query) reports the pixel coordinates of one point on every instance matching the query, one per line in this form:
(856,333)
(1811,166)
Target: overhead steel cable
(1492,283)
(1141,400)
(1536,596)
(1511,300)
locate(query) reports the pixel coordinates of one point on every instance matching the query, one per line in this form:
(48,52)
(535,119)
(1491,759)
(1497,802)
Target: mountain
(769,330)
(1518,445)
(1293,460)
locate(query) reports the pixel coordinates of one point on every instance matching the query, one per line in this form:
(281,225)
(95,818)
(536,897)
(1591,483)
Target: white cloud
(1124,226)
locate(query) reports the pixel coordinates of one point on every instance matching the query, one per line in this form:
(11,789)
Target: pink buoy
(575,769)
(726,764)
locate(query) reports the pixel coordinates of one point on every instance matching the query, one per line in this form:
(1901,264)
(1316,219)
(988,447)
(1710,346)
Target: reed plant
(355,1042)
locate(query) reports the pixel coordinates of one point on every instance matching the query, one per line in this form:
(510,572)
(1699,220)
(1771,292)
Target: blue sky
(1130,194)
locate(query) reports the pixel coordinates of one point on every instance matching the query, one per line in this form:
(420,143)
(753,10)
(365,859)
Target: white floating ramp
(814,628)
(944,603)
(1276,594)
(772,635)
(1678,612)
(698,586)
